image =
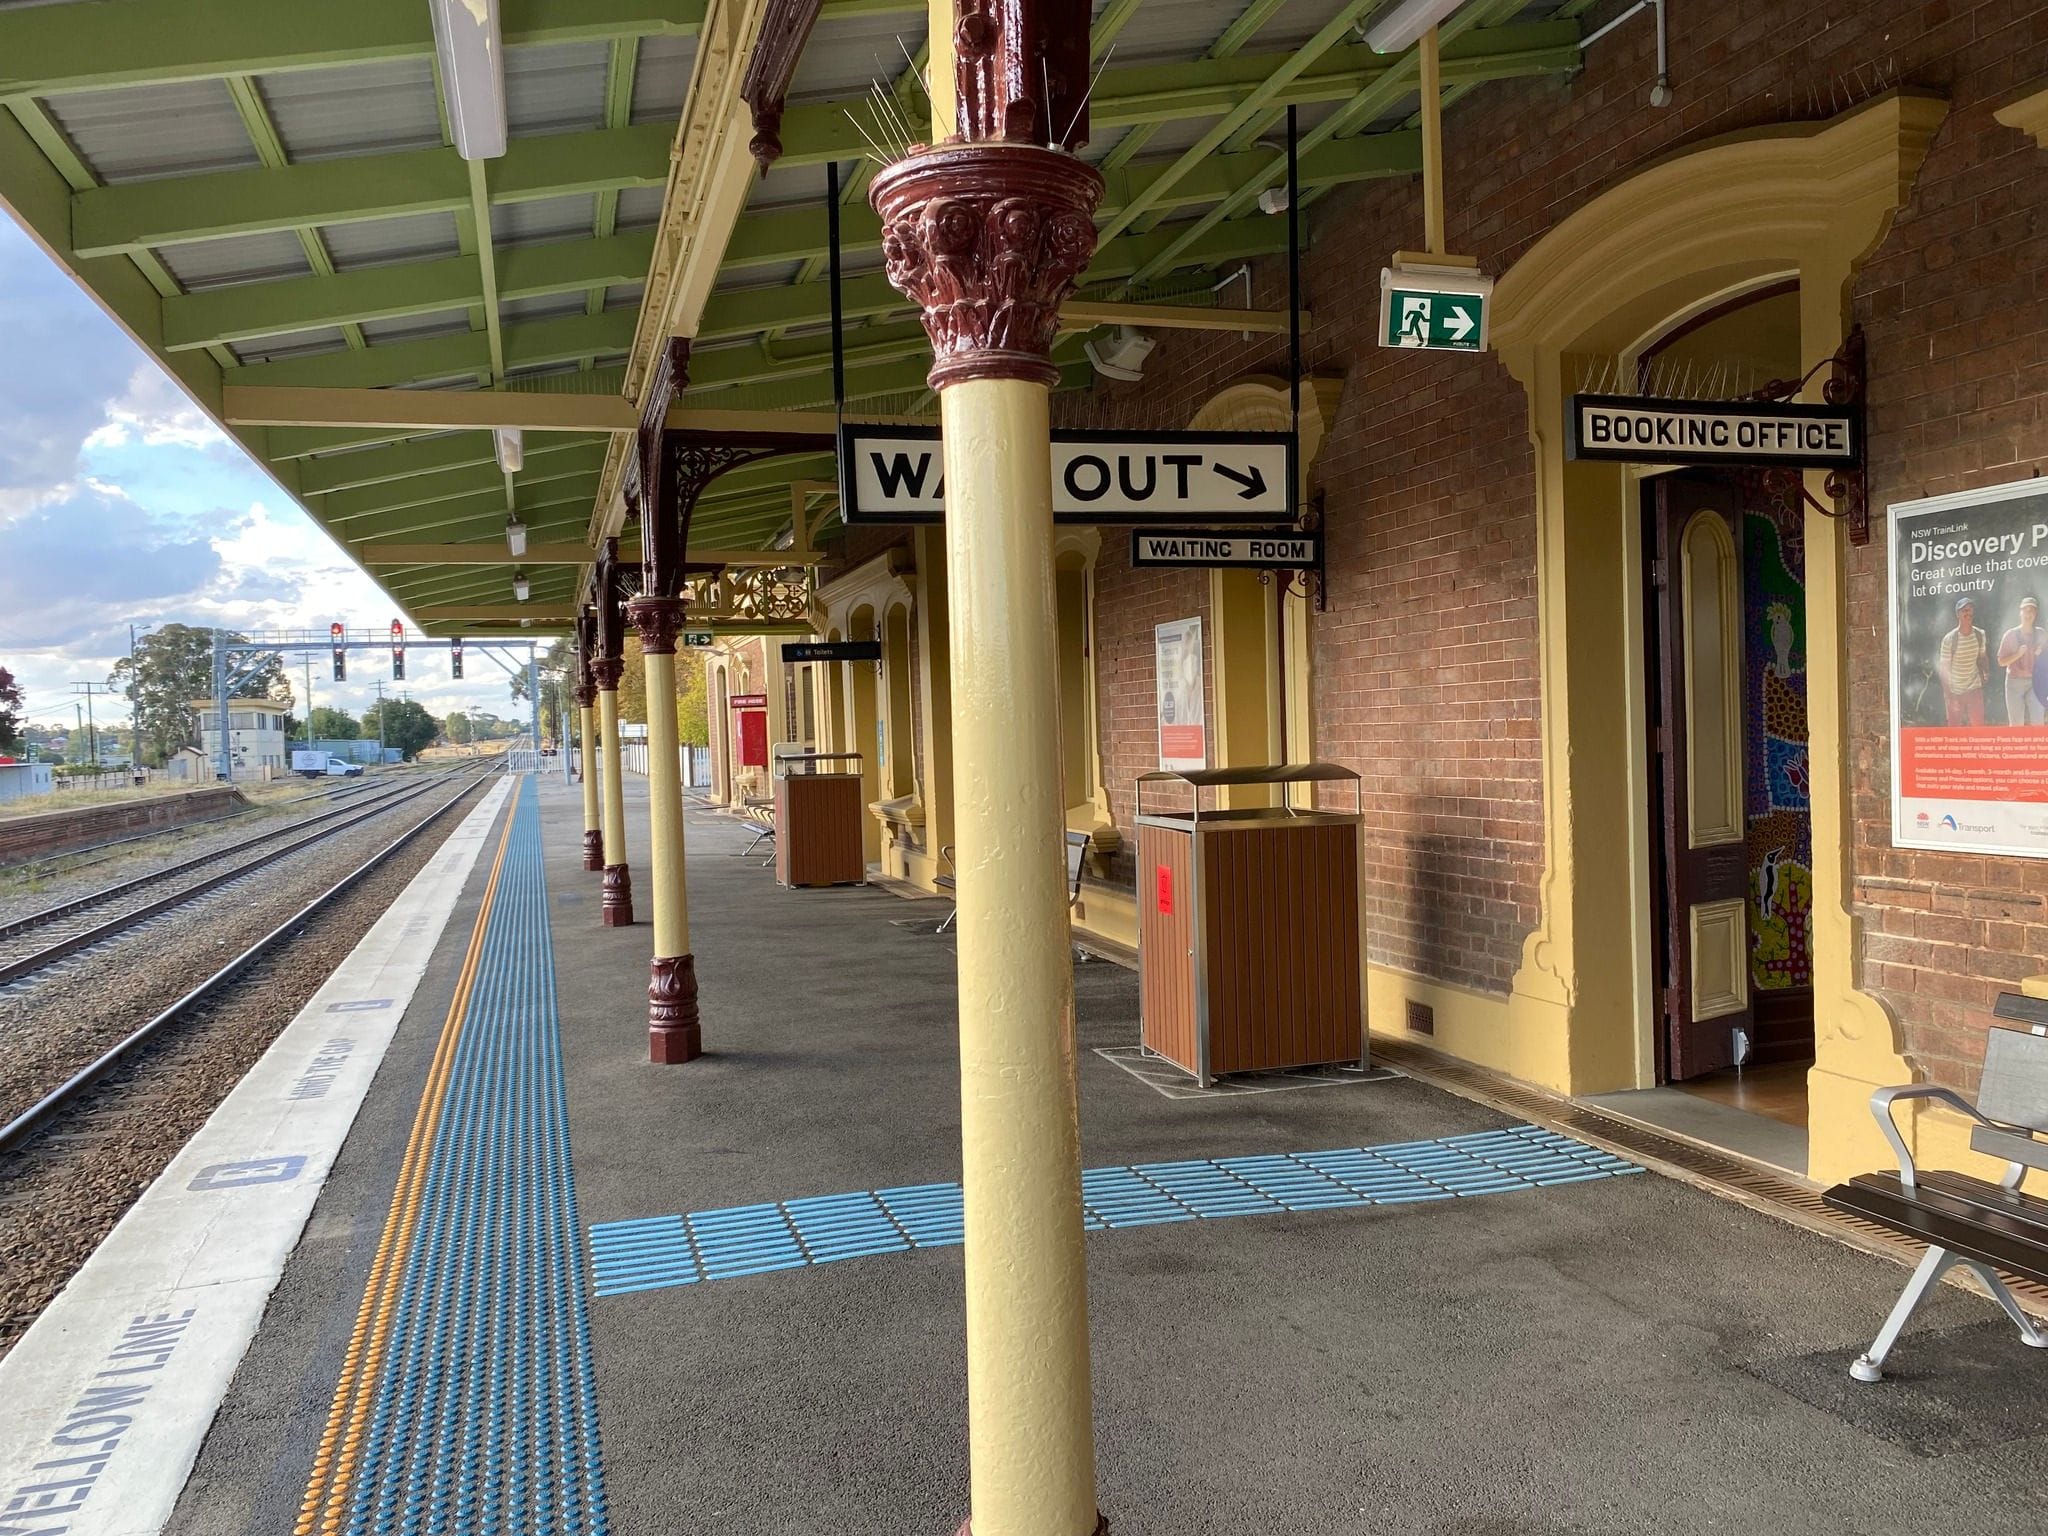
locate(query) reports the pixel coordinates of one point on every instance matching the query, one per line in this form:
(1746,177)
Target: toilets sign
(892,475)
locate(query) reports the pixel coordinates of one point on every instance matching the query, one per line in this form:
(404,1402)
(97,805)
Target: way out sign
(1433,311)
(893,475)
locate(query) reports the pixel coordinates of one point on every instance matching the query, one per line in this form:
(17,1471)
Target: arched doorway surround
(1806,204)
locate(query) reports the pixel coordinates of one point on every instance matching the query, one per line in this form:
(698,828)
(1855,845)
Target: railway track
(71,860)
(32,943)
(38,1115)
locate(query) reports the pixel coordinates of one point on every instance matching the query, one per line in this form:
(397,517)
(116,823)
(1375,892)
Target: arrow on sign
(1459,323)
(1254,483)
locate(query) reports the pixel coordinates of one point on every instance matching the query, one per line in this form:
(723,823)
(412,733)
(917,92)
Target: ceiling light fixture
(511,449)
(1400,28)
(472,54)
(515,537)
(521,588)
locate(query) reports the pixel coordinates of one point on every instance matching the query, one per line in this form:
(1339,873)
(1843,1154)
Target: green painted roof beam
(747,311)
(106,220)
(1145,93)
(91,47)
(477,517)
(249,310)
(53,49)
(401,461)
(174,209)
(528,344)
(448,484)
(796,233)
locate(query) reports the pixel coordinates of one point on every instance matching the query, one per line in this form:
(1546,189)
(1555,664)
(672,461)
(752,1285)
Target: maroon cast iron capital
(606,670)
(674,1034)
(988,238)
(618,896)
(593,848)
(586,693)
(660,622)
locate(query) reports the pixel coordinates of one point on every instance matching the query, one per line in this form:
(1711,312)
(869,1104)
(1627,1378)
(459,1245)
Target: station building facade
(1492,650)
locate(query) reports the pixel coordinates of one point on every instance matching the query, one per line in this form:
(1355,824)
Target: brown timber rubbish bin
(818,820)
(1250,956)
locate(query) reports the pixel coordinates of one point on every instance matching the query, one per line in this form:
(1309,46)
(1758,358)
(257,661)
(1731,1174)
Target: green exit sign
(1434,311)
(698,639)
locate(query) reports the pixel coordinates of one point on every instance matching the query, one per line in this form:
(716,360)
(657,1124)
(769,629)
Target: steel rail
(99,933)
(390,794)
(32,1119)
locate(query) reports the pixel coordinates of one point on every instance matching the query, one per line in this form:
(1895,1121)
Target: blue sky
(120,502)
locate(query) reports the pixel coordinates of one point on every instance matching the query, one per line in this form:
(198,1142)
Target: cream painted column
(970,267)
(618,880)
(674,1034)
(593,816)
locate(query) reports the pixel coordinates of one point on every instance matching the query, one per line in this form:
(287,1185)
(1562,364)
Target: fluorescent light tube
(521,589)
(511,449)
(472,55)
(1398,30)
(515,537)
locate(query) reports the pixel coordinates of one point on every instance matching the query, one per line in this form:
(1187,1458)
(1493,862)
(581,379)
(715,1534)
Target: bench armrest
(1881,1103)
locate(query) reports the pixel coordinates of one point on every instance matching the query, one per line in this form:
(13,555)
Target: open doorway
(1729,820)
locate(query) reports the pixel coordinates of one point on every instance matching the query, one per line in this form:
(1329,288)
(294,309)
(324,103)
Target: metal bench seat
(1982,1226)
(1077,863)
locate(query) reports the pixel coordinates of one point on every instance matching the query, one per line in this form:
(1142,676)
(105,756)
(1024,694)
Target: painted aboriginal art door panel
(1780,815)
(1697,721)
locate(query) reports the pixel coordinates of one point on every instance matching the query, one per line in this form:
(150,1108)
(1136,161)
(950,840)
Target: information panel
(1183,724)
(1969,671)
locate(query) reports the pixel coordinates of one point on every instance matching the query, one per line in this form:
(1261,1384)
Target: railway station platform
(545,1286)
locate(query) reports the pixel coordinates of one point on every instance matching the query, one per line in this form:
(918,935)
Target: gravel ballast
(62,1192)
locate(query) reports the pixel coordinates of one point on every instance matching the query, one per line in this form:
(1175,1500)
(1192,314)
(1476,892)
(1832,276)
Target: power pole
(309,701)
(134,708)
(92,731)
(226,766)
(380,719)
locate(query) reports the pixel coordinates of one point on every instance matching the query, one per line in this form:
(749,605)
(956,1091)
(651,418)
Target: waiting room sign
(895,475)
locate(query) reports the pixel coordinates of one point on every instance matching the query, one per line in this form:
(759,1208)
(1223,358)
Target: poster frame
(1895,513)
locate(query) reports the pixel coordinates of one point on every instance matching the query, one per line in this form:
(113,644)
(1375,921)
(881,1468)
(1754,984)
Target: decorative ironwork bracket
(1850,488)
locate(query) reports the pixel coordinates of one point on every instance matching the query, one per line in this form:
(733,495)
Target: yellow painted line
(325,1507)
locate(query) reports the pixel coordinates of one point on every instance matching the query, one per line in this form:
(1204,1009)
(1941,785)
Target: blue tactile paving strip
(663,1251)
(486,1413)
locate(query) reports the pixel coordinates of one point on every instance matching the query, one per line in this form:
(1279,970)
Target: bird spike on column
(988,231)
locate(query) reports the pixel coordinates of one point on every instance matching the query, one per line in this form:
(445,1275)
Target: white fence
(695,761)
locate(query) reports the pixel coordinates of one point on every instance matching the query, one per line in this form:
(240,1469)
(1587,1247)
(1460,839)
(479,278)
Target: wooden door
(1696,720)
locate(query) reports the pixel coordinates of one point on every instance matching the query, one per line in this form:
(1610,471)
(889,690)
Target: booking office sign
(1969,671)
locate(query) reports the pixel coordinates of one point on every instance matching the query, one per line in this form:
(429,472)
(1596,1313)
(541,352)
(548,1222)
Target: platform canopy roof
(266,195)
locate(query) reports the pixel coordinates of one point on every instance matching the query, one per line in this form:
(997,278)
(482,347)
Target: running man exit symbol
(1441,322)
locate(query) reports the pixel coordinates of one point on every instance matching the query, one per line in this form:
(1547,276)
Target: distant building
(19,779)
(256,738)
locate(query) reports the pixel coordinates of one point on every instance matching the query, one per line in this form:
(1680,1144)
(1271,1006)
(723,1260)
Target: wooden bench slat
(2007,1230)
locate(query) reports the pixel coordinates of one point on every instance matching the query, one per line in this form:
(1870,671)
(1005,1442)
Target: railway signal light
(397,652)
(334,636)
(455,656)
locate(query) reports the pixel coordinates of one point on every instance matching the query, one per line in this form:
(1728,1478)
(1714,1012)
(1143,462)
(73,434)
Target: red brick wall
(1956,312)
(1427,473)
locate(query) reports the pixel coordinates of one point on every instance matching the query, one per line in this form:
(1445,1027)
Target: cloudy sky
(121,503)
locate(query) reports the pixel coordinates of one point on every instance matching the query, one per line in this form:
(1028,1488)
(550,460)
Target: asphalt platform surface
(1626,1355)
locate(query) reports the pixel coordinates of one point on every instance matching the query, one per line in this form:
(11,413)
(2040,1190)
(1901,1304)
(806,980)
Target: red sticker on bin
(1165,891)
